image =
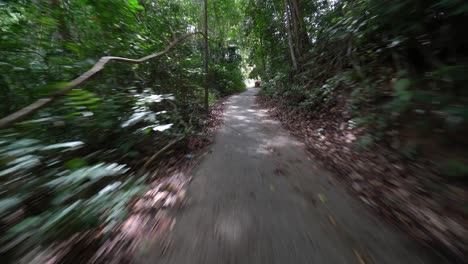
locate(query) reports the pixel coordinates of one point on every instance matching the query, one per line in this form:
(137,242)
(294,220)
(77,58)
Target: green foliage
(410,152)
(402,97)
(72,166)
(274,86)
(59,194)
(366,141)
(394,63)
(227,78)
(455,170)
(324,94)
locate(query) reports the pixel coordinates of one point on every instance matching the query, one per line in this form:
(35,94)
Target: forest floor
(407,192)
(149,219)
(259,197)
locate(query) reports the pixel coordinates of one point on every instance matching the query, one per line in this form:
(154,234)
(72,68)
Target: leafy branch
(99,66)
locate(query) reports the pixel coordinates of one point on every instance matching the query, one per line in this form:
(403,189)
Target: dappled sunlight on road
(258,197)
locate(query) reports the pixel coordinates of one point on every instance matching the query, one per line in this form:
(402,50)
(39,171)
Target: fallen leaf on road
(358,256)
(272,188)
(322,198)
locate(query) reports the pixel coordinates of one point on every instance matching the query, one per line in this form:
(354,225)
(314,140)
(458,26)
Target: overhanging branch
(99,66)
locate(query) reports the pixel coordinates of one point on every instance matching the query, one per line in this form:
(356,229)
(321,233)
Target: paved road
(258,198)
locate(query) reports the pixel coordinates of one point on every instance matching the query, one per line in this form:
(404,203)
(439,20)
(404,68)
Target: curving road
(259,198)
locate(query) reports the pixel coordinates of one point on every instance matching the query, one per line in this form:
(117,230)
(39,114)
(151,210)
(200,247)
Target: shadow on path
(259,198)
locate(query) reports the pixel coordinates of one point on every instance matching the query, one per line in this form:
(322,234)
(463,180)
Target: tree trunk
(64,32)
(205,61)
(263,55)
(300,37)
(290,36)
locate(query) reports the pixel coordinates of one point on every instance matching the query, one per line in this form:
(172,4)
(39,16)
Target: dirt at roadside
(406,193)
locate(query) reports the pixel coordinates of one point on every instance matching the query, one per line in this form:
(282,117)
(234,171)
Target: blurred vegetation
(76,164)
(398,65)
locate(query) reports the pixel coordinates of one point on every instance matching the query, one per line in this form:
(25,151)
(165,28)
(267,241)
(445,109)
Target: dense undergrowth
(393,70)
(76,164)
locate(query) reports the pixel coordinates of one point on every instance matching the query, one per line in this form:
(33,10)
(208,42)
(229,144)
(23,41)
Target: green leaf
(8,204)
(455,169)
(27,225)
(134,6)
(402,85)
(73,145)
(59,216)
(75,163)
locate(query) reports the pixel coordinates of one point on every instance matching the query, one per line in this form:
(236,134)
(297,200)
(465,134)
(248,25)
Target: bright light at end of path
(249,82)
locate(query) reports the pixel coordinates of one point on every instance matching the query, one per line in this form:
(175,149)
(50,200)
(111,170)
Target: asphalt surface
(258,197)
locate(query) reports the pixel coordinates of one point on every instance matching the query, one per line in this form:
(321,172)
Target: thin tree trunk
(263,55)
(300,37)
(59,14)
(294,27)
(205,61)
(290,36)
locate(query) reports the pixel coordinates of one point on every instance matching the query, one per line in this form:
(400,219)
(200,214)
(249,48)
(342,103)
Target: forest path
(259,198)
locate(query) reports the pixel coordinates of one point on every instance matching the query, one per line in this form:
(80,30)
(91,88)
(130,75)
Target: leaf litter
(399,191)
